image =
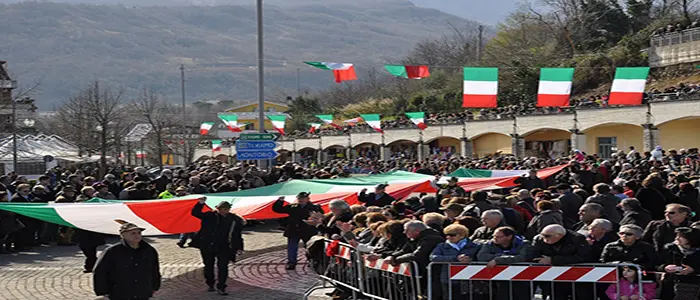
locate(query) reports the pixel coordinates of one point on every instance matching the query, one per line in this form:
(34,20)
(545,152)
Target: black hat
(303,195)
(224,204)
(382,186)
(455,179)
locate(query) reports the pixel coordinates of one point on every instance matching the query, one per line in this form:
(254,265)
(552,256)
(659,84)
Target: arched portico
(680,133)
(604,139)
(368,150)
(403,149)
(547,143)
(490,143)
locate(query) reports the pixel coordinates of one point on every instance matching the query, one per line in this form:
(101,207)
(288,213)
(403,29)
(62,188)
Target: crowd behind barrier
(636,208)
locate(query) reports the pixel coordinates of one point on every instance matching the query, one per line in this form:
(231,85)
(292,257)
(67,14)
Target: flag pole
(261,75)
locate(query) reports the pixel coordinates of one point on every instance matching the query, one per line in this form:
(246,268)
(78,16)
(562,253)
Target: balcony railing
(8,84)
(675,38)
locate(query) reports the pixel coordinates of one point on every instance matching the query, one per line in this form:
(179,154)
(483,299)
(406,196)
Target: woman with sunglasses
(457,249)
(631,249)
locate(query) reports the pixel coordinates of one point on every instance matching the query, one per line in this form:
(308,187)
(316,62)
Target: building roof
(256,103)
(35,147)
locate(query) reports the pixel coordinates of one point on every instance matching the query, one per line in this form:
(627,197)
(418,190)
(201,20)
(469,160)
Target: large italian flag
(417,118)
(231,122)
(341,71)
(555,87)
(628,86)
(173,216)
(278,122)
(480,87)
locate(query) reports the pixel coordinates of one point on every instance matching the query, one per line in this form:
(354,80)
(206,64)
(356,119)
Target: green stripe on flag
(396,70)
(41,211)
(415,115)
(280,118)
(632,73)
(370,117)
(480,74)
(320,65)
(328,118)
(556,74)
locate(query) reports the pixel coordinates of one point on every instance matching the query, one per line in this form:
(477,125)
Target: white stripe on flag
(554,88)
(551,273)
(628,85)
(480,87)
(468,272)
(507,173)
(101,217)
(595,274)
(509,273)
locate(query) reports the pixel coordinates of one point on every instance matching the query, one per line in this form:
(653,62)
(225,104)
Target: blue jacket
(444,252)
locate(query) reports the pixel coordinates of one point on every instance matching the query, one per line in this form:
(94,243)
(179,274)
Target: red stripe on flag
(610,277)
(621,98)
(456,269)
(417,71)
(480,101)
(544,100)
(280,130)
(530,273)
(573,273)
(344,75)
(422,126)
(488,273)
(168,216)
(203,131)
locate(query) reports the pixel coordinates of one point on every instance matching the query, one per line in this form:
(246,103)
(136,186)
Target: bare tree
(105,108)
(160,115)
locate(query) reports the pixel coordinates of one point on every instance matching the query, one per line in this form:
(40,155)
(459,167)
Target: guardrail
(520,281)
(675,38)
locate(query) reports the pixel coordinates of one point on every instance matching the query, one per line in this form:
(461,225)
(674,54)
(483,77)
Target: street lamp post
(14,135)
(261,74)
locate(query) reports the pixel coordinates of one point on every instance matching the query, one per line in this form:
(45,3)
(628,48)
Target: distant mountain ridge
(65,46)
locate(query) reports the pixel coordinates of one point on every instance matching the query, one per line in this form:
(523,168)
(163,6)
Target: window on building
(606,146)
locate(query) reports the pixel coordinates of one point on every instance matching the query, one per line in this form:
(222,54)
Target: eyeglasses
(626,233)
(670,212)
(450,234)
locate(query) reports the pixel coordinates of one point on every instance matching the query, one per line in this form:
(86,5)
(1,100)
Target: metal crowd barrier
(521,281)
(349,271)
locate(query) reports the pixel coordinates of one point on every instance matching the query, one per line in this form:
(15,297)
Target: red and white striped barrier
(344,252)
(384,265)
(535,273)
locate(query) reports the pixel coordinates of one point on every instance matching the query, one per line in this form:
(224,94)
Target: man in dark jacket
(25,238)
(378,198)
(600,233)
(166,176)
(570,202)
(607,200)
(219,239)
(557,246)
(129,269)
(296,228)
(629,248)
(530,181)
(422,242)
(634,213)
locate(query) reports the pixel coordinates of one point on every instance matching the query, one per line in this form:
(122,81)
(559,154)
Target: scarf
(459,245)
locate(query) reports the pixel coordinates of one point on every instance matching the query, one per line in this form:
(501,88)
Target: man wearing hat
(378,198)
(296,228)
(451,189)
(219,239)
(128,269)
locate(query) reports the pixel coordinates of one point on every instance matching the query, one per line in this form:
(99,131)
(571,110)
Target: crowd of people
(635,207)
(680,26)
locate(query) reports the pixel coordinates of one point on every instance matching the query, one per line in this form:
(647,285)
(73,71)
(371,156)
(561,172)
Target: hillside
(63,46)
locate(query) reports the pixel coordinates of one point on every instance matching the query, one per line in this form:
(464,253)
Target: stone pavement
(55,272)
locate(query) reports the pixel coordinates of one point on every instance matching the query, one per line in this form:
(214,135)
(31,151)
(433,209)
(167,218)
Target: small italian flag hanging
(353,121)
(480,87)
(628,86)
(278,122)
(341,71)
(374,121)
(231,121)
(140,153)
(417,118)
(314,127)
(555,87)
(411,72)
(215,145)
(328,120)
(205,127)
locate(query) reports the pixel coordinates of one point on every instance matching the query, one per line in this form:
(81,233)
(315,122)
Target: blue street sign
(255,155)
(255,145)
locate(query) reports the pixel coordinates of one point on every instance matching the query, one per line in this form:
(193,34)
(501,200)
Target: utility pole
(479,43)
(298,82)
(14,135)
(184,118)
(261,75)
